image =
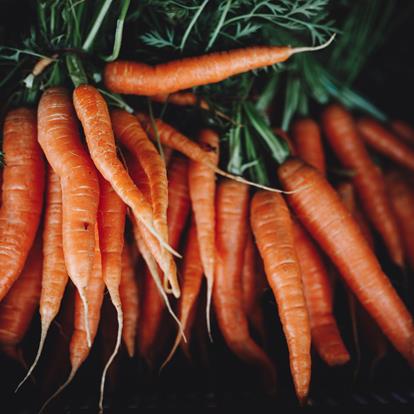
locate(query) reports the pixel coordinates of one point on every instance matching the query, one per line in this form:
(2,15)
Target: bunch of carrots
(80,179)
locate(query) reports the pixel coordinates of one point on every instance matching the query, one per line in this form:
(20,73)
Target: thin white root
(296,50)
(208,306)
(84,299)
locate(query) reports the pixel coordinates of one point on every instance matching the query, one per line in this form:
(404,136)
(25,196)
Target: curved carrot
(318,293)
(345,141)
(385,142)
(202,186)
(141,79)
(321,211)
(404,130)
(272,229)
(232,204)
(93,113)
(22,194)
(129,292)
(61,143)
(306,135)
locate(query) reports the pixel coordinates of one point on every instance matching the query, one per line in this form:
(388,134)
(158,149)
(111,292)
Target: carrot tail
(177,342)
(313,48)
(84,299)
(210,284)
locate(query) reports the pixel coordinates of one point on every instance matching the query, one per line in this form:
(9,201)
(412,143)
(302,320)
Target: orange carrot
(22,194)
(93,113)
(202,186)
(128,290)
(61,143)
(402,199)
(54,274)
(321,211)
(19,305)
(368,181)
(307,137)
(182,99)
(403,130)
(232,204)
(140,79)
(318,293)
(385,142)
(273,231)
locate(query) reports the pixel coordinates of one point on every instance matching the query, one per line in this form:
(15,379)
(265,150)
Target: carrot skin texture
(272,228)
(306,135)
(385,142)
(403,130)
(22,194)
(19,305)
(344,139)
(232,203)
(129,77)
(60,140)
(321,211)
(318,294)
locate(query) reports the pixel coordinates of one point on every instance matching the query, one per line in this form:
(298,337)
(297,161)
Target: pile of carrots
(79,180)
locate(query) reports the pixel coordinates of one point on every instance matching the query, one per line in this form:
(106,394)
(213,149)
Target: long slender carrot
(202,186)
(368,181)
(60,140)
(54,274)
(404,130)
(111,224)
(385,142)
(308,143)
(79,348)
(318,293)
(192,277)
(402,199)
(273,231)
(140,79)
(19,305)
(232,205)
(93,113)
(22,194)
(321,211)
(129,292)
(170,137)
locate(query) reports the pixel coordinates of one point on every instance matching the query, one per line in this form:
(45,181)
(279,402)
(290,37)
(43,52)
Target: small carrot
(344,139)
(54,274)
(129,292)
(307,137)
(60,140)
(402,199)
(140,79)
(232,205)
(19,305)
(182,99)
(93,113)
(385,142)
(202,186)
(22,194)
(321,211)
(318,293)
(273,232)
(403,130)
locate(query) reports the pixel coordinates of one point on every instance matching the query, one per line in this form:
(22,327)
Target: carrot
(253,286)
(60,140)
(170,137)
(93,113)
(307,138)
(79,348)
(232,204)
(22,194)
(54,274)
(19,305)
(402,200)
(111,224)
(321,211)
(128,290)
(181,99)
(403,130)
(385,142)
(318,293)
(368,181)
(192,277)
(202,186)
(140,79)
(273,231)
